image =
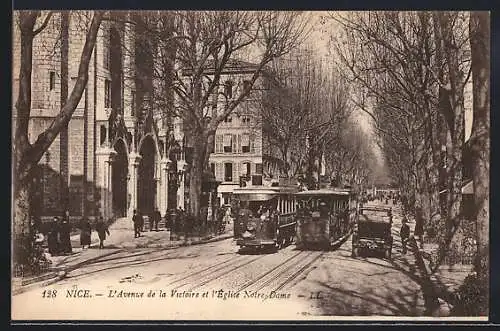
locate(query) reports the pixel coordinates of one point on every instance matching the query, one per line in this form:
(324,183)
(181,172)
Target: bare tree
(410,69)
(200,47)
(27,155)
(480,52)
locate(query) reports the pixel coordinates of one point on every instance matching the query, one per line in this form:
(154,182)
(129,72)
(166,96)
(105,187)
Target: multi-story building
(240,143)
(112,158)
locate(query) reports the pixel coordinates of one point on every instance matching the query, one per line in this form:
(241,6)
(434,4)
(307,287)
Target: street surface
(216,281)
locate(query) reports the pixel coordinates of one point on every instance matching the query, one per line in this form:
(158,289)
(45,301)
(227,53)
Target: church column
(181,172)
(109,177)
(164,166)
(157,178)
(104,158)
(133,162)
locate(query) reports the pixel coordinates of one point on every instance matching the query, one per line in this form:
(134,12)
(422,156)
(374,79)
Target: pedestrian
(419,226)
(137,224)
(85,234)
(156,218)
(404,233)
(141,221)
(65,234)
(53,237)
(102,230)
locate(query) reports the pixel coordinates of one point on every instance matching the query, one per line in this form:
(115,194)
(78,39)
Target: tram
(265,216)
(324,216)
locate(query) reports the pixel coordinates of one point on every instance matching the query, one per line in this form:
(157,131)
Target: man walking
(102,230)
(155,219)
(137,224)
(404,233)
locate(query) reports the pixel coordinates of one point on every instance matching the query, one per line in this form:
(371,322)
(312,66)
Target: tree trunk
(196,174)
(21,227)
(480,52)
(210,147)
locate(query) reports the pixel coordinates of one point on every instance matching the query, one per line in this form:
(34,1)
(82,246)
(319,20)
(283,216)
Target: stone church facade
(117,153)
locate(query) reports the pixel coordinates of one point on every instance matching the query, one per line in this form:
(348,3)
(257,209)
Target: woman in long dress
(53,237)
(65,234)
(85,234)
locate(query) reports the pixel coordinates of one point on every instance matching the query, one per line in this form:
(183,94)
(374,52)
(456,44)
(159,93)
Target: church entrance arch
(146,183)
(119,179)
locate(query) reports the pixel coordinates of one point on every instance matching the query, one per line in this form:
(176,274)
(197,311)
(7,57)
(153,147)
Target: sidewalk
(446,277)
(121,238)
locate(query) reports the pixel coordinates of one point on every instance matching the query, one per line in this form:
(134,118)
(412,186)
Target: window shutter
(219,171)
(239,143)
(234,144)
(218,144)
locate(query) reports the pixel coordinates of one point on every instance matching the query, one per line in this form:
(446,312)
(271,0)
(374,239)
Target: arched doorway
(119,179)
(146,184)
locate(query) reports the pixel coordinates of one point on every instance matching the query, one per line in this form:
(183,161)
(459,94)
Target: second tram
(265,216)
(324,216)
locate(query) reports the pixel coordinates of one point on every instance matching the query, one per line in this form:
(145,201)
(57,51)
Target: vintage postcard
(250,165)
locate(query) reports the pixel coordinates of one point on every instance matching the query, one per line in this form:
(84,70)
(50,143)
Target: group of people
(59,234)
(86,232)
(154,220)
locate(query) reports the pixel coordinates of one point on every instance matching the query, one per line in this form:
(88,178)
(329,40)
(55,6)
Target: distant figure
(404,233)
(102,230)
(155,220)
(65,234)
(419,226)
(141,221)
(137,224)
(53,237)
(85,234)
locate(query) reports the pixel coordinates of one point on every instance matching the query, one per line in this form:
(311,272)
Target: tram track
(304,270)
(209,275)
(283,274)
(270,273)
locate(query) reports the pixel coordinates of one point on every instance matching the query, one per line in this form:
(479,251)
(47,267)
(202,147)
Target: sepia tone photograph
(250,165)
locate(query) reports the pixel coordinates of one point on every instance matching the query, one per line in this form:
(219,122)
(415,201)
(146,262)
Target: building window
(228,119)
(107,49)
(228,89)
(218,143)
(258,168)
(212,168)
(228,143)
(107,93)
(103,134)
(247,167)
(52,80)
(245,120)
(245,143)
(228,172)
